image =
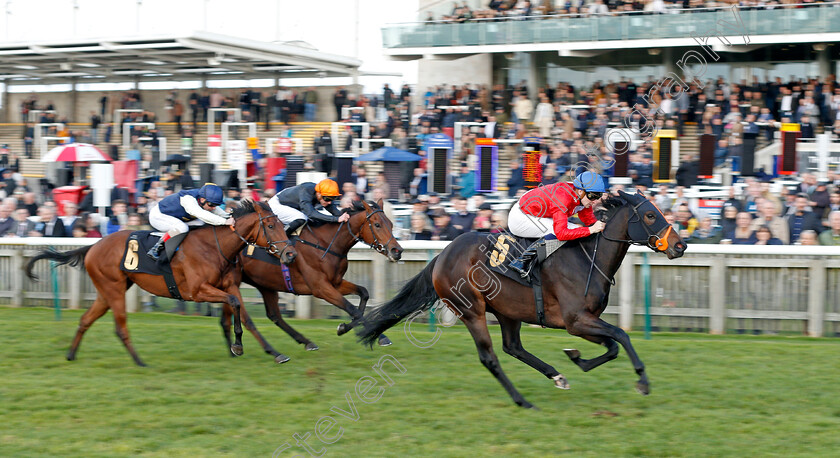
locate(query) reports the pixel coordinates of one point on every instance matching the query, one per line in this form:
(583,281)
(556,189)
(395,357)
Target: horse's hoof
(236,350)
(141,364)
(343,328)
(281,358)
(71,357)
(311,346)
(572,353)
(527,405)
(643,388)
(385,342)
(560,381)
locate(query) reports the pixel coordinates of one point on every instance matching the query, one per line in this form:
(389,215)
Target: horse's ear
(380,203)
(367,207)
(623,194)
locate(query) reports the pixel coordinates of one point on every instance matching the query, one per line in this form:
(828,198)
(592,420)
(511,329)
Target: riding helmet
(590,182)
(327,187)
(212,193)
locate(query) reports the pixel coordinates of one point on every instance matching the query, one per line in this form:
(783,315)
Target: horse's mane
(247,206)
(612,204)
(359,207)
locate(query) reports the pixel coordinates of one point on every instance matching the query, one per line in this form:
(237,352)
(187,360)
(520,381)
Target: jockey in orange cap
(294,206)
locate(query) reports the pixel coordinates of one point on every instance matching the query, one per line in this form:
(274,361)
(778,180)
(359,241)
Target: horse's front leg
(592,326)
(209,293)
(336,297)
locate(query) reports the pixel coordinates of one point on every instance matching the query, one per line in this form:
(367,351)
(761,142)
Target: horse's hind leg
(272,311)
(589,325)
(347,287)
(94,313)
(589,364)
(477,326)
(120,318)
(512,345)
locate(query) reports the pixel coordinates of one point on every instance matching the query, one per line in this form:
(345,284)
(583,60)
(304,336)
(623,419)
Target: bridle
(380,248)
(271,246)
(652,239)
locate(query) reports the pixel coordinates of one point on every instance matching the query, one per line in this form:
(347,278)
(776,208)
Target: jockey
(294,206)
(544,212)
(177,212)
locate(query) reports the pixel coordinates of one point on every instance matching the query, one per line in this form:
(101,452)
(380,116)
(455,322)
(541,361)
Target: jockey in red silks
(544,212)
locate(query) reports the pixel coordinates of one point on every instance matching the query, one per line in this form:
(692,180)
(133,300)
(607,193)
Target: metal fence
(713,288)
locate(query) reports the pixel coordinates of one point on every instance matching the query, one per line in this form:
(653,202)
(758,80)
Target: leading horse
(320,267)
(204,268)
(572,300)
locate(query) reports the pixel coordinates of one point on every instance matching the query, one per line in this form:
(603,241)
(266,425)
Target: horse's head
(260,226)
(646,225)
(376,230)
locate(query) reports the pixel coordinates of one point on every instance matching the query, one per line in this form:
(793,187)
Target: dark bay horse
(468,291)
(204,267)
(320,273)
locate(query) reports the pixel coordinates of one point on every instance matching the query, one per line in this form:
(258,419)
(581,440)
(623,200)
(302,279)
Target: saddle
(503,248)
(135,260)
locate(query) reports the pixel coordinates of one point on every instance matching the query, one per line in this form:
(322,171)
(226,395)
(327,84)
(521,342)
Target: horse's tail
(418,294)
(73,257)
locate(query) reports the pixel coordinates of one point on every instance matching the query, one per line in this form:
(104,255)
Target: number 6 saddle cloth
(503,248)
(135,259)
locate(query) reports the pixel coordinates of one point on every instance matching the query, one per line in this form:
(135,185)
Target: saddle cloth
(135,259)
(503,248)
(261,254)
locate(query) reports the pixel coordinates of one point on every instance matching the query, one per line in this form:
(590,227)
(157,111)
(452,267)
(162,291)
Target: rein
(661,244)
(376,245)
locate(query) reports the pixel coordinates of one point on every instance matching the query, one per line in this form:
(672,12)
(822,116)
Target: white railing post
(132,299)
(303,307)
(75,289)
(816,298)
(17,278)
(717,295)
(626,275)
(380,272)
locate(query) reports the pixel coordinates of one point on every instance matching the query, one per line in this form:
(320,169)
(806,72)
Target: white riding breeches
(530,226)
(171,224)
(285,214)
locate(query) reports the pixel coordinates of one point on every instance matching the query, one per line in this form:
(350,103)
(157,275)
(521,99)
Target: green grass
(711,396)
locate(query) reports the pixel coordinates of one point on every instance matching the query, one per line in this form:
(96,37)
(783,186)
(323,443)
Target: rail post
(816,298)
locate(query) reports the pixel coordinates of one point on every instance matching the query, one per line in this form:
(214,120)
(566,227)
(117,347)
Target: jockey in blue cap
(543,213)
(175,213)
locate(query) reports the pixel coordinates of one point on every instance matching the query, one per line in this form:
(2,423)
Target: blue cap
(212,193)
(590,182)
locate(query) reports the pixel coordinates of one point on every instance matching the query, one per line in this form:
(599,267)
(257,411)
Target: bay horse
(572,301)
(320,266)
(204,268)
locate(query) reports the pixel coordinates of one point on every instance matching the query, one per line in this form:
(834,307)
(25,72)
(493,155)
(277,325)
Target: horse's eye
(271,226)
(650,216)
(377,225)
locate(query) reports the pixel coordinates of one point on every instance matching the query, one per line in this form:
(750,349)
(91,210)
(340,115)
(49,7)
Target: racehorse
(204,268)
(571,300)
(320,267)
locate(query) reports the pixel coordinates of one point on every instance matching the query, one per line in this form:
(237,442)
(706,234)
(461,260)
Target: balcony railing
(820,18)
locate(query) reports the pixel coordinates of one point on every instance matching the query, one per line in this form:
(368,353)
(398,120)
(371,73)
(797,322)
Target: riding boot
(294,226)
(156,250)
(525,262)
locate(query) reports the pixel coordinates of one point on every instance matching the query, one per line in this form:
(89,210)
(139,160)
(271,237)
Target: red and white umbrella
(75,152)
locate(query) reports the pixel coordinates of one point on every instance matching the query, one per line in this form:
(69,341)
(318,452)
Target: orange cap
(327,187)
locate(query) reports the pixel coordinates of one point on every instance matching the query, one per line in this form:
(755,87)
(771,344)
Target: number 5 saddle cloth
(504,247)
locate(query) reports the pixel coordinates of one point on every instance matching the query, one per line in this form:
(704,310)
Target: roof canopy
(201,55)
